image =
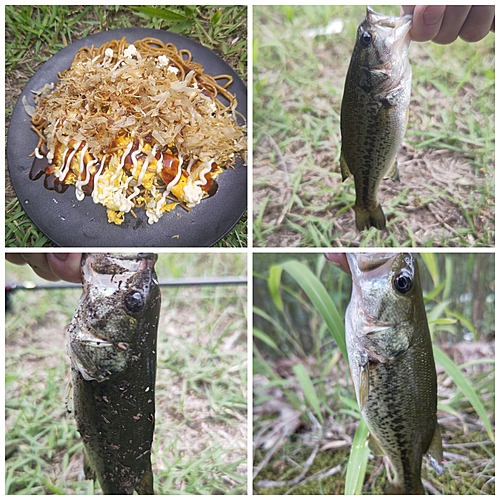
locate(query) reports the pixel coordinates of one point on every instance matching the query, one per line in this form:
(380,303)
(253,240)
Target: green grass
(446,195)
(34,33)
(295,352)
(201,395)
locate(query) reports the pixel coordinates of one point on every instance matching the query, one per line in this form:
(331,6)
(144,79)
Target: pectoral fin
(364,385)
(435,452)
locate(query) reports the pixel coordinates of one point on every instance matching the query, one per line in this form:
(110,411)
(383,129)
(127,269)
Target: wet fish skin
(374,110)
(112,345)
(392,365)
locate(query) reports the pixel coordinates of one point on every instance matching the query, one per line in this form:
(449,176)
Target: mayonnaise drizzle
(65,168)
(122,161)
(95,191)
(80,195)
(175,180)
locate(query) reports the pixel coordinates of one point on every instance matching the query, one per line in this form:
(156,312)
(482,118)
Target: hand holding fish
(445,23)
(51,266)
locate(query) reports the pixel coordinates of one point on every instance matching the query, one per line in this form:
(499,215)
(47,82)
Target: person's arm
(51,266)
(445,23)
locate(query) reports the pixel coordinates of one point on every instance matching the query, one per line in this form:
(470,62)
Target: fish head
(118,290)
(383,301)
(121,295)
(382,42)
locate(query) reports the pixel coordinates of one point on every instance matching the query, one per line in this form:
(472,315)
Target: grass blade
(358,460)
(318,295)
(308,389)
(454,372)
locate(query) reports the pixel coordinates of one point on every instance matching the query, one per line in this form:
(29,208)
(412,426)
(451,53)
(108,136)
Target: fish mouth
(394,28)
(109,272)
(365,262)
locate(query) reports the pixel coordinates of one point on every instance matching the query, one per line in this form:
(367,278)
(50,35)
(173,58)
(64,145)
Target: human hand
(51,266)
(445,23)
(339,260)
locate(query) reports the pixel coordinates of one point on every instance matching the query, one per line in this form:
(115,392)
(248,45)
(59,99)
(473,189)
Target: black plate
(69,222)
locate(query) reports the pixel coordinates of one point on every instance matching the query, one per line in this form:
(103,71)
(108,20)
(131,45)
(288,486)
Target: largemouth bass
(112,346)
(392,365)
(374,110)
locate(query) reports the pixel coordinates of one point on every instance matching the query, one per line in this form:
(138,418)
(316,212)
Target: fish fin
(435,452)
(364,386)
(68,397)
(344,167)
(375,446)
(365,218)
(145,487)
(88,470)
(393,172)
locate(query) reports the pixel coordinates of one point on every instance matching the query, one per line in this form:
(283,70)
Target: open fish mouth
(399,26)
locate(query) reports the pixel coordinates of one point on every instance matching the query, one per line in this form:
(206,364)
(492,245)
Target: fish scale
(392,365)
(374,110)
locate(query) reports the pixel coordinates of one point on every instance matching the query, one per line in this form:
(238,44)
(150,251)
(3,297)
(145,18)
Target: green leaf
(358,459)
(165,14)
(318,295)
(273,284)
(216,17)
(431,264)
(462,383)
(308,389)
(265,338)
(443,321)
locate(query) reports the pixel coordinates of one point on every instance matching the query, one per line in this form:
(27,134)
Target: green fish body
(374,110)
(112,345)
(392,365)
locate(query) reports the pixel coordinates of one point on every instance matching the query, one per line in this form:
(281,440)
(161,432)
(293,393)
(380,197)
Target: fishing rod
(195,281)
(11,287)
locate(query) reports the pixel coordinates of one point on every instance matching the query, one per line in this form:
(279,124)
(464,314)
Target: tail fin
(365,218)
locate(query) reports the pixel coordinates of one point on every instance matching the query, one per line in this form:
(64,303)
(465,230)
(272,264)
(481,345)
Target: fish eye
(403,282)
(366,39)
(134,302)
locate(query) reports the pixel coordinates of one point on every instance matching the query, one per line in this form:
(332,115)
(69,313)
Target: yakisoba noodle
(138,125)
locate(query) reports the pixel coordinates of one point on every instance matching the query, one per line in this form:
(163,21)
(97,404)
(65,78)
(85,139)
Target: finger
(15,258)
(454,18)
(66,266)
(426,22)
(339,260)
(39,264)
(478,23)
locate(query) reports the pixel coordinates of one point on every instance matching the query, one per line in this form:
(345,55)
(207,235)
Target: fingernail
(433,14)
(61,256)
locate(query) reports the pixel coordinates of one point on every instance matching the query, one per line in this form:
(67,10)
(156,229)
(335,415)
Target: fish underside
(374,110)
(112,346)
(392,365)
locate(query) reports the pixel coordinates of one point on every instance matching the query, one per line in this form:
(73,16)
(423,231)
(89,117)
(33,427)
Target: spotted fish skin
(112,346)
(374,110)
(392,365)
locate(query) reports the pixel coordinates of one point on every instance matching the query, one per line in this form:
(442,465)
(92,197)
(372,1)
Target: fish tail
(366,218)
